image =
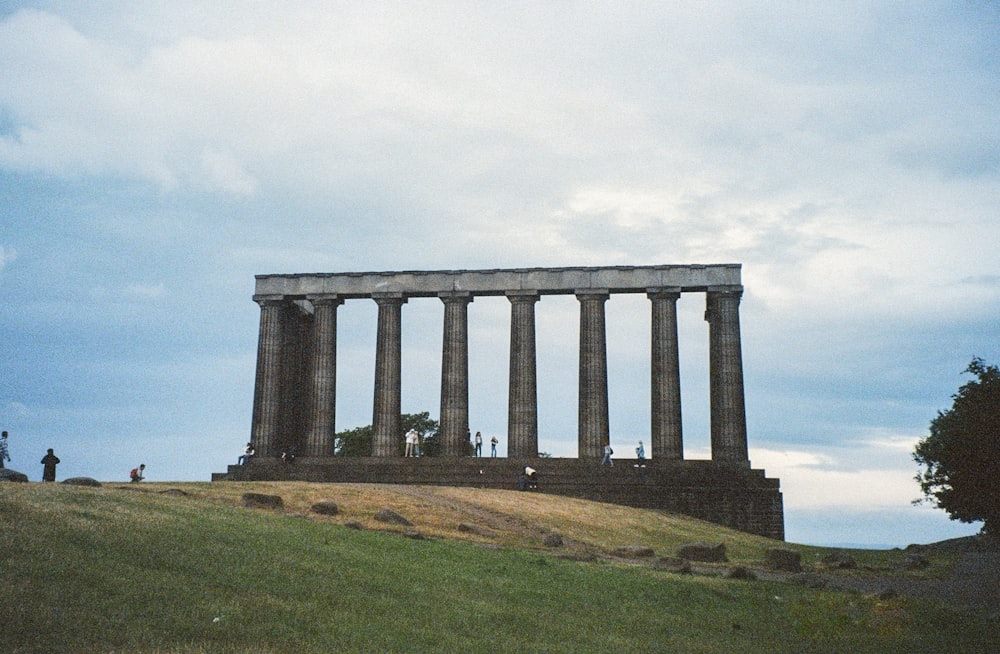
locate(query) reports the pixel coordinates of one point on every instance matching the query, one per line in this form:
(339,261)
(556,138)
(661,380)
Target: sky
(155,156)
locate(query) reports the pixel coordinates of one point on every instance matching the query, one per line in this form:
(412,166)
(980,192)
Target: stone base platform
(740,498)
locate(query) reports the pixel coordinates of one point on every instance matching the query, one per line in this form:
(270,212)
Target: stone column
(666,440)
(593,400)
(267,389)
(522,398)
(323,366)
(386,419)
(729,424)
(455,373)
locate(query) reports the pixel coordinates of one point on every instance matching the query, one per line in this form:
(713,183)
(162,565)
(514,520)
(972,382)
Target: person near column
(640,456)
(49,462)
(606,461)
(248,452)
(411,442)
(137,474)
(479,443)
(4,452)
(493,447)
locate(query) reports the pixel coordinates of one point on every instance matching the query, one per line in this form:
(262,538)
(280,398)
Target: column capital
(455,296)
(725,290)
(592,294)
(389,297)
(665,293)
(268,300)
(327,299)
(522,296)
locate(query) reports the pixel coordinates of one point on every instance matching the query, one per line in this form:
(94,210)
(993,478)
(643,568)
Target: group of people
(640,455)
(50,461)
(477,444)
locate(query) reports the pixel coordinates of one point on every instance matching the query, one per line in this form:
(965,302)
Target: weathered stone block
(325,507)
(262,501)
(703,552)
(82,481)
(552,540)
(784,560)
(391,517)
(6,474)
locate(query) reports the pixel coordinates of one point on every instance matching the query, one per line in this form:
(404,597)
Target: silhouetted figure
(49,462)
(288,454)
(4,452)
(137,474)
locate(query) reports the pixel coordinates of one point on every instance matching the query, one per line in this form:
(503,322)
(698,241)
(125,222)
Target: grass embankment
(101,570)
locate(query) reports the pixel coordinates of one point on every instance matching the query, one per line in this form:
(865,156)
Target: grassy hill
(186,568)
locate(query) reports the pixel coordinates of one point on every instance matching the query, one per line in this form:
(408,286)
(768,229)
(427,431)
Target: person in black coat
(49,462)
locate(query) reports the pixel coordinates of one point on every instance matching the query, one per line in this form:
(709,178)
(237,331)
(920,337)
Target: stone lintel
(544,281)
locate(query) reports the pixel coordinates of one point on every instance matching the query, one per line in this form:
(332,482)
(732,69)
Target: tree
(962,452)
(358,441)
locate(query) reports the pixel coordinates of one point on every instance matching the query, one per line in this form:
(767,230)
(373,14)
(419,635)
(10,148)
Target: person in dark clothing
(49,461)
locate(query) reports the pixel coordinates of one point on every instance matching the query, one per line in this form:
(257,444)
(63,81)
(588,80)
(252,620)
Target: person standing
(640,452)
(411,442)
(4,452)
(607,455)
(493,447)
(479,443)
(49,462)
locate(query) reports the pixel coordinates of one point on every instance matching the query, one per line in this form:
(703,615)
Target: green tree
(961,455)
(358,441)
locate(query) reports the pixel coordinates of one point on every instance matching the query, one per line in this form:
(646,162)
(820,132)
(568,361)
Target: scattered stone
(413,534)
(782,559)
(174,491)
(82,481)
(741,572)
(703,552)
(391,517)
(325,507)
(354,524)
(839,560)
(262,501)
(6,474)
(552,540)
(467,528)
(673,564)
(633,552)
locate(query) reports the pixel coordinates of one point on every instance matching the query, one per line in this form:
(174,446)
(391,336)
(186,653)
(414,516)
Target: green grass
(105,570)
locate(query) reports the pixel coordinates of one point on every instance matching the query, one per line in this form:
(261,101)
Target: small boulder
(783,560)
(391,517)
(262,501)
(82,481)
(673,564)
(354,524)
(839,560)
(413,534)
(175,492)
(552,540)
(633,552)
(741,572)
(325,507)
(6,474)
(703,552)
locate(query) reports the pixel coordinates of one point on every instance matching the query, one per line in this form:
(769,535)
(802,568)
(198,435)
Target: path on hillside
(972,582)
